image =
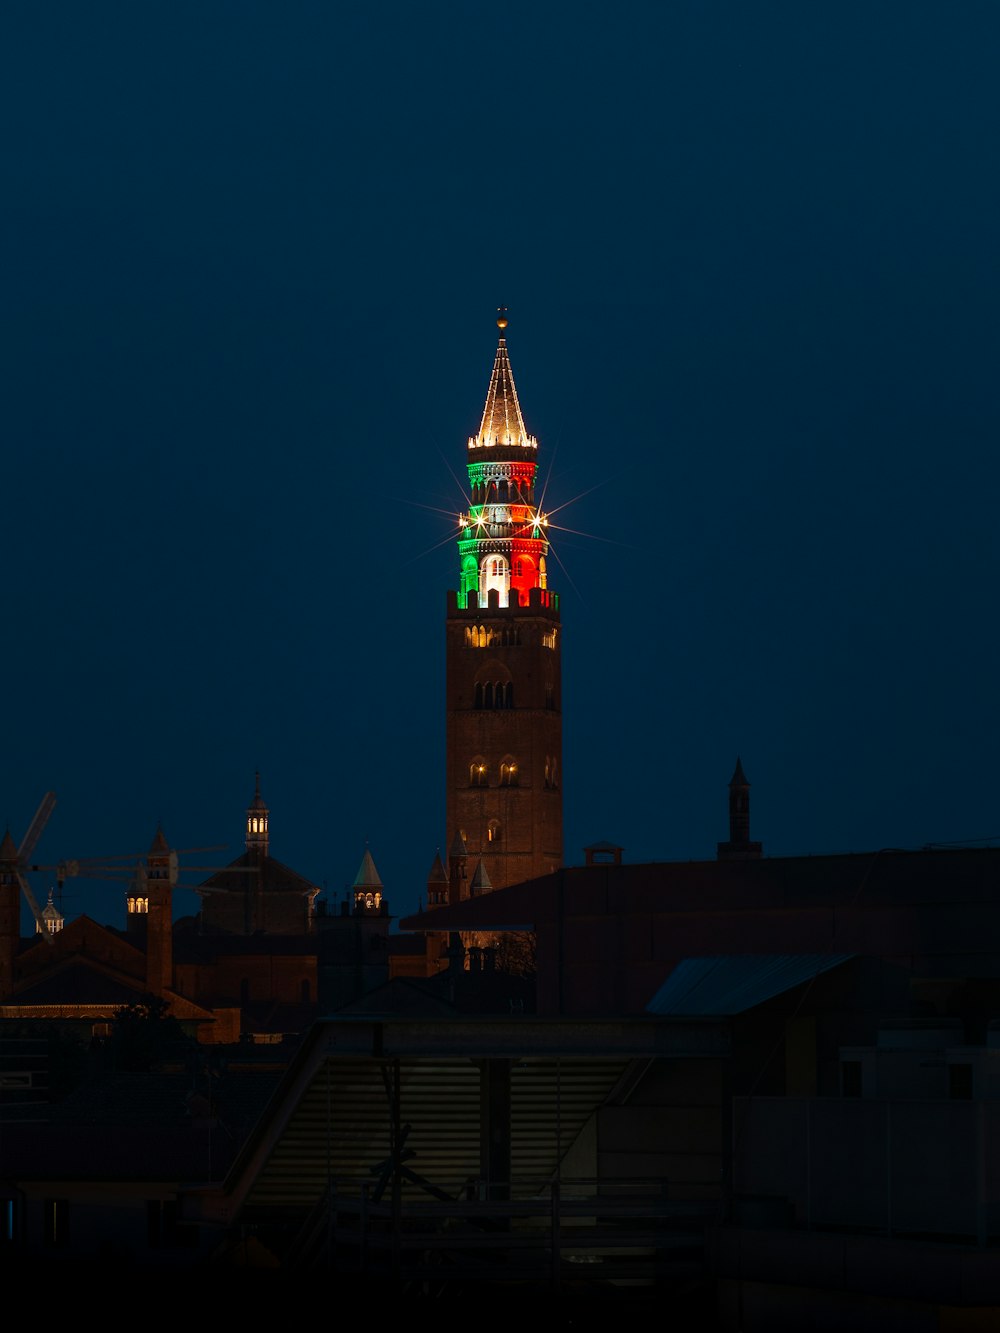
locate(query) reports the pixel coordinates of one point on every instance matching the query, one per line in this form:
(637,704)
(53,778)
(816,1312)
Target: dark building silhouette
(255,893)
(739,847)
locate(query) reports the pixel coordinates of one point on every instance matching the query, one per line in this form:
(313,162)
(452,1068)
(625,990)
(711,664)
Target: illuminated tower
(504,726)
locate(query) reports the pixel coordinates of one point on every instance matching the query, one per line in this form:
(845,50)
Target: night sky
(252,256)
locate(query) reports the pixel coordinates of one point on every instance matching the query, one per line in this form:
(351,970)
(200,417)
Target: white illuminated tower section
(503,689)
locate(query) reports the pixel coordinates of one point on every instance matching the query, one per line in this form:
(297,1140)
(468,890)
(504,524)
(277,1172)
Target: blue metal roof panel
(733,983)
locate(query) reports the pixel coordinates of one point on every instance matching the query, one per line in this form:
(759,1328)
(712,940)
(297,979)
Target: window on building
(508,773)
(478,773)
(493,831)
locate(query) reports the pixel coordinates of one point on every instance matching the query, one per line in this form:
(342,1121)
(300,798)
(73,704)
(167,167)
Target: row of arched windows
(479,773)
(494,694)
(503,491)
(486,636)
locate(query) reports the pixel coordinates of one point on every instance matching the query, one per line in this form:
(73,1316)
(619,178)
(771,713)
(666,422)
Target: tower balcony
(499,450)
(539,600)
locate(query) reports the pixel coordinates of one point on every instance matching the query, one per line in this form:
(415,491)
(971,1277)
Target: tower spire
(502,422)
(502,542)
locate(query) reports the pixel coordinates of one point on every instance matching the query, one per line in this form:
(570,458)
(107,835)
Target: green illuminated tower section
(503,647)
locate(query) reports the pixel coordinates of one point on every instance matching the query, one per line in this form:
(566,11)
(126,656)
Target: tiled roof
(248,870)
(80,982)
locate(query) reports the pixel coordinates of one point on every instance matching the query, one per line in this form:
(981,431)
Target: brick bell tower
(503,677)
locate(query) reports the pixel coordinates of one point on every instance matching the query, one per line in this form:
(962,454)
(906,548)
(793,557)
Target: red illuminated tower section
(504,724)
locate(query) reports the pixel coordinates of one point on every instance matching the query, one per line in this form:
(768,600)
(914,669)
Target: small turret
(367,890)
(51,916)
(257,822)
(437,883)
(480,882)
(739,847)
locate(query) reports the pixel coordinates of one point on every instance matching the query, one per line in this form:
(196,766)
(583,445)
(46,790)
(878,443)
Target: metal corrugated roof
(733,983)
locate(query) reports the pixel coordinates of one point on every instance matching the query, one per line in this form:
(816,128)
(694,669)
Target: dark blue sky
(251,257)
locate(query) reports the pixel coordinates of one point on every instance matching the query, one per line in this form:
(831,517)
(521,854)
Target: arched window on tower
(478,772)
(488,694)
(508,694)
(493,831)
(508,773)
(494,574)
(478,698)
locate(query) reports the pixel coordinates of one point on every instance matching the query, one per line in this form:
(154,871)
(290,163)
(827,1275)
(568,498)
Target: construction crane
(127,866)
(28,845)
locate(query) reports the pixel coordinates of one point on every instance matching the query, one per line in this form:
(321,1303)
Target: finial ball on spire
(502,313)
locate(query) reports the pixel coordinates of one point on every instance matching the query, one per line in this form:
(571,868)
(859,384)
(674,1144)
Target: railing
(568,1234)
